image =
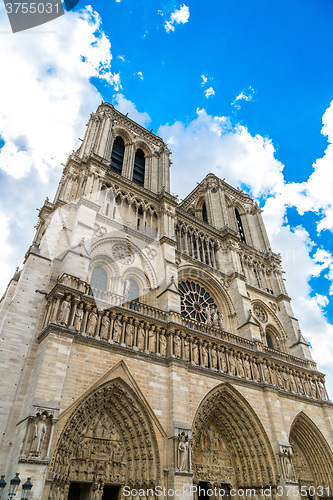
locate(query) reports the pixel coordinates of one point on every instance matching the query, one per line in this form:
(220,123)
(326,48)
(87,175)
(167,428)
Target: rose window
(194,301)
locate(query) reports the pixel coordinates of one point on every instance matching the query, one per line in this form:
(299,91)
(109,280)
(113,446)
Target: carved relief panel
(211,459)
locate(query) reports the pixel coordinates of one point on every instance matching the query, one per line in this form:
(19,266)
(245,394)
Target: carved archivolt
(109,438)
(314,458)
(226,427)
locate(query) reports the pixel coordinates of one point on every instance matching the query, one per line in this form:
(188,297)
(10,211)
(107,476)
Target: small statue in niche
(105,327)
(204,353)
(129,333)
(78,318)
(92,322)
(152,339)
(117,329)
(232,364)
(222,360)
(247,367)
(163,344)
(221,320)
(195,353)
(65,311)
(214,357)
(288,465)
(141,337)
(40,430)
(187,349)
(240,368)
(177,346)
(182,451)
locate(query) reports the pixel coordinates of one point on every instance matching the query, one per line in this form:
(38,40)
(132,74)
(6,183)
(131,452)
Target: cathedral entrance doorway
(107,442)
(230,446)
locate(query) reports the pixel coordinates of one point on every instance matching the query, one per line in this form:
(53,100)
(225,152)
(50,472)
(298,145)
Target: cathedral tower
(150,343)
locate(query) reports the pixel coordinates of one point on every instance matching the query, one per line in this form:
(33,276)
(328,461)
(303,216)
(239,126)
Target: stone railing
(128,326)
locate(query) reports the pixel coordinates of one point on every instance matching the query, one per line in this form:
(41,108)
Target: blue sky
(242,89)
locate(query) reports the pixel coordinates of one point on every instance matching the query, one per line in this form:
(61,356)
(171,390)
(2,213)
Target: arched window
(131,289)
(99,278)
(139,168)
(269,341)
(204,213)
(117,155)
(240,226)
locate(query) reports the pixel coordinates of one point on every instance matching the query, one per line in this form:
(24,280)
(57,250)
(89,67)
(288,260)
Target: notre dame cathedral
(149,343)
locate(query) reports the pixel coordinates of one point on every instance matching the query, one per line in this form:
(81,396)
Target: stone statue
(129,333)
(105,327)
(221,320)
(177,346)
(195,353)
(40,430)
(208,316)
(215,318)
(204,353)
(78,318)
(152,339)
(240,368)
(117,329)
(288,466)
(214,357)
(232,364)
(163,345)
(141,337)
(187,349)
(266,373)
(183,451)
(65,311)
(222,360)
(247,367)
(92,322)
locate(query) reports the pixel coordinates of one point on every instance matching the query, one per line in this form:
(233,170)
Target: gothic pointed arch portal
(313,458)
(230,445)
(108,440)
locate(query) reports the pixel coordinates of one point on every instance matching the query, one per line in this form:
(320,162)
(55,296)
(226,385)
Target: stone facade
(148,342)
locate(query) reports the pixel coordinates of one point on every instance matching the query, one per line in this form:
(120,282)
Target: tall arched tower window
(139,167)
(204,213)
(117,155)
(240,226)
(99,278)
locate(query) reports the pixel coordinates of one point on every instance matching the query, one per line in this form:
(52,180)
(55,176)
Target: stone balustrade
(72,306)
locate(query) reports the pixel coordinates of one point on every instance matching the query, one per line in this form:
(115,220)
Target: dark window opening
(79,491)
(240,226)
(204,213)
(99,278)
(139,168)
(269,341)
(110,492)
(117,155)
(203,491)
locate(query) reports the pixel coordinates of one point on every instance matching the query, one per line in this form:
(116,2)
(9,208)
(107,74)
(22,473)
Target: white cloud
(122,58)
(213,144)
(125,106)
(140,75)
(209,92)
(48,83)
(179,16)
(45,98)
(243,96)
(204,80)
